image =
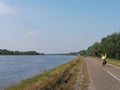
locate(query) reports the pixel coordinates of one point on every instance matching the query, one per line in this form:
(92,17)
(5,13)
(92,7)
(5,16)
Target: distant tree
(82,52)
(109,45)
(9,52)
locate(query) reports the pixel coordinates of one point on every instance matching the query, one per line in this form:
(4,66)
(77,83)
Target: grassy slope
(61,77)
(114,61)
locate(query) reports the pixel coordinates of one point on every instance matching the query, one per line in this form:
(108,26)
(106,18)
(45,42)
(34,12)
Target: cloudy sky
(56,26)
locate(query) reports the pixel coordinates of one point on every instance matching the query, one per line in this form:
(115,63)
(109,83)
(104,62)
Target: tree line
(109,45)
(10,52)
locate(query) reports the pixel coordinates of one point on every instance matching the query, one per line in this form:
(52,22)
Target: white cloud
(7,10)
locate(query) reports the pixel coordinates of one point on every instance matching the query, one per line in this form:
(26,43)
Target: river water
(16,68)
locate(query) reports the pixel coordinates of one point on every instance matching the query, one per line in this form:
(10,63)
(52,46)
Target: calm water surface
(15,68)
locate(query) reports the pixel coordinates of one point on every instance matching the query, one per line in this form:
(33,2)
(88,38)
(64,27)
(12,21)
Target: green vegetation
(59,78)
(9,52)
(109,45)
(114,61)
(72,53)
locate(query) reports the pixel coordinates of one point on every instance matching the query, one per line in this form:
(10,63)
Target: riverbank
(61,77)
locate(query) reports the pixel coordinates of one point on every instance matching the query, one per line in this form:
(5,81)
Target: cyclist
(104,59)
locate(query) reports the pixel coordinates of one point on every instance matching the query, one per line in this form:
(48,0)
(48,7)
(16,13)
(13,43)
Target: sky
(56,26)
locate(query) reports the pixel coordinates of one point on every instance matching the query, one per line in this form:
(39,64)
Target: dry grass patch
(84,77)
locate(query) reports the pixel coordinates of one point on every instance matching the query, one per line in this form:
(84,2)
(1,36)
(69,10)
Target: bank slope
(61,77)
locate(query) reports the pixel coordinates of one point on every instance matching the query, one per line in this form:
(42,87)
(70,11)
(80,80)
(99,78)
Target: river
(16,68)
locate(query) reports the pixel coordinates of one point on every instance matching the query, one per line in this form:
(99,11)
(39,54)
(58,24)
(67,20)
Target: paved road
(103,78)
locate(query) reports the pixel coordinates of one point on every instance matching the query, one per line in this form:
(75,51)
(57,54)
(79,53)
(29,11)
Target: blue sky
(56,26)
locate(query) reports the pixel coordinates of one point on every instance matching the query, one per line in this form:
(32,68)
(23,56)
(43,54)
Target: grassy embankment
(60,78)
(114,61)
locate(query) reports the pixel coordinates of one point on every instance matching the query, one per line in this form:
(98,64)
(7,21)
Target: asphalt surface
(102,78)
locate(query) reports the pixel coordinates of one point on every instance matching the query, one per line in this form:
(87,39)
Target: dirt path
(81,82)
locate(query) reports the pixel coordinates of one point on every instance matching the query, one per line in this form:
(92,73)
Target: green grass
(59,78)
(114,61)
